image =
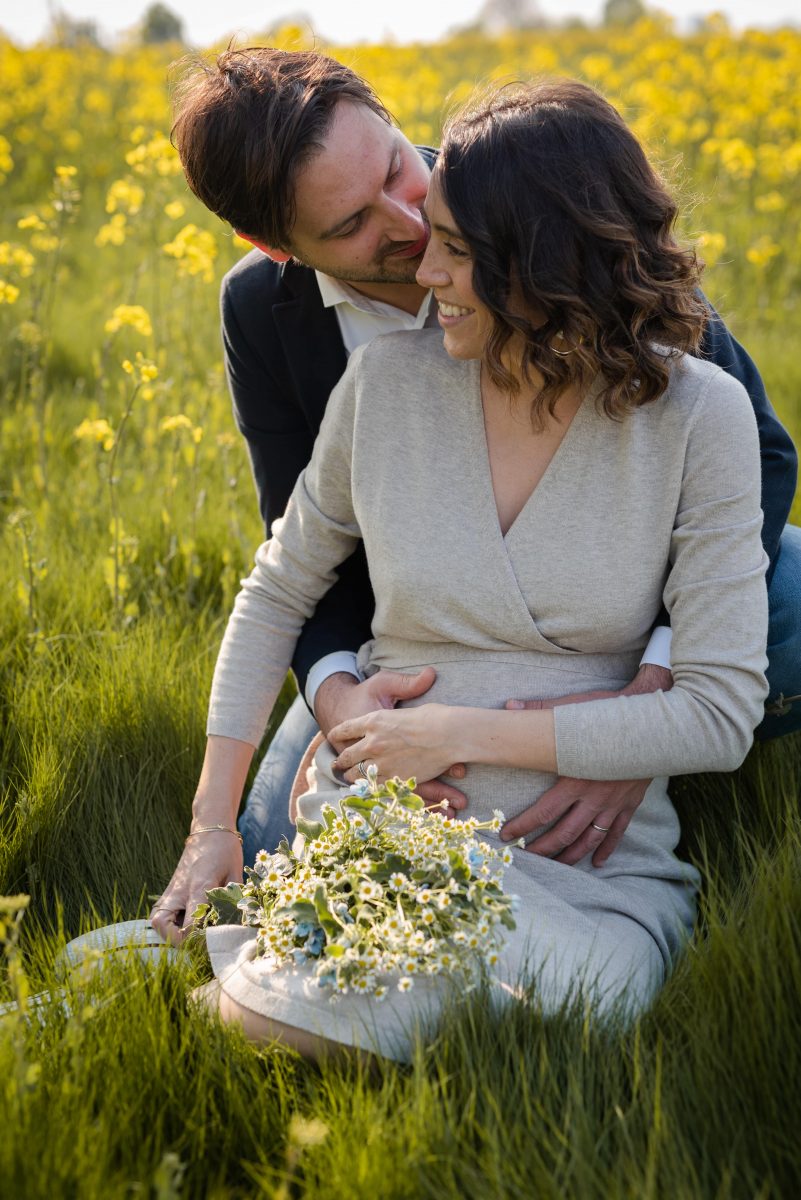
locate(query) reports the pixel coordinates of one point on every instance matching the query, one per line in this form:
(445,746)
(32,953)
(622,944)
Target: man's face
(359,202)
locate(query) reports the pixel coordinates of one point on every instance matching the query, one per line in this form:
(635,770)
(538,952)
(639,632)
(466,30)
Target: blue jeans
(265,819)
(784,640)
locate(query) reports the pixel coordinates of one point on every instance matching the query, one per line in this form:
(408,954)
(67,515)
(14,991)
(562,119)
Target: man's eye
(354,228)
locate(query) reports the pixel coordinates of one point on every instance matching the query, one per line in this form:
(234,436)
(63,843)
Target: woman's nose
(431,273)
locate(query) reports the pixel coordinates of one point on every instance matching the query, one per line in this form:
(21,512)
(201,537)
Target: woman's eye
(455,251)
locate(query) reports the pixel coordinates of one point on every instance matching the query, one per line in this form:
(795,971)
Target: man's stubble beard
(403,270)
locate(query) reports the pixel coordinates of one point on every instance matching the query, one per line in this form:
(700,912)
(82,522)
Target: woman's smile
(452,314)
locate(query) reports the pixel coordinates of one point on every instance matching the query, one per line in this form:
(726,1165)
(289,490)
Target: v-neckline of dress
(483,455)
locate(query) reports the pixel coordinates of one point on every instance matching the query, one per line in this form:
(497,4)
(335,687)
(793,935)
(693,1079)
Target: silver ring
(363,772)
(601,828)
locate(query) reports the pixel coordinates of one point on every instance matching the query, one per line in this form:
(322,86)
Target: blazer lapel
(312,342)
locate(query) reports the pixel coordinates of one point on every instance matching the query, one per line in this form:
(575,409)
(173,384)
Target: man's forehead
(345,174)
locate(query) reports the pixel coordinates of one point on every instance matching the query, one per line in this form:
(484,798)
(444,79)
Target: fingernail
(515,704)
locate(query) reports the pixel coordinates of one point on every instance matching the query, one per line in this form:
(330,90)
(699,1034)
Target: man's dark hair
(246,123)
(566,220)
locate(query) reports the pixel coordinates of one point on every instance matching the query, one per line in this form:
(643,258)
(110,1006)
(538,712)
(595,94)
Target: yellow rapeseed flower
(97,430)
(31,222)
(132,315)
(195,251)
(9,294)
(125,195)
(45,243)
(771,202)
(175,424)
(65,173)
(6,161)
(143,369)
(113,232)
(711,246)
(17,257)
(762,251)
(175,210)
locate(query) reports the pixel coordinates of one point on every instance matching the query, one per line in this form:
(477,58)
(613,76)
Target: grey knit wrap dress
(662,506)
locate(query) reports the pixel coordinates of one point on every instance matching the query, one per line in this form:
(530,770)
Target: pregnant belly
(488,682)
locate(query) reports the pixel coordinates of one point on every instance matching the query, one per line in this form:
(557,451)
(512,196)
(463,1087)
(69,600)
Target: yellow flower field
(105,254)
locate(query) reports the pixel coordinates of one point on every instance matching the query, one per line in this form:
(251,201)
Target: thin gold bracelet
(215,829)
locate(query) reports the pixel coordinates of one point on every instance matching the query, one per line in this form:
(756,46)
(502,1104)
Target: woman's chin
(461,347)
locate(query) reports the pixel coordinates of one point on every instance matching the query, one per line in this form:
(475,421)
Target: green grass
(137,1094)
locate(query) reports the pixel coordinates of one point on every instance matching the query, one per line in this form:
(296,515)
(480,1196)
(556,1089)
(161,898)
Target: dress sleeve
(293,570)
(717,599)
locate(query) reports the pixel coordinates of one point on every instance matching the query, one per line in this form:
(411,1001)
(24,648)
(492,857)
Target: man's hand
(341,697)
(588,816)
(209,860)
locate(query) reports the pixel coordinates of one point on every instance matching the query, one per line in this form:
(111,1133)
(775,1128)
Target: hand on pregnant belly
(407,742)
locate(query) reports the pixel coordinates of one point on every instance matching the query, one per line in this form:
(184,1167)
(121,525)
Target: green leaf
(224,900)
(360,804)
(309,829)
(328,921)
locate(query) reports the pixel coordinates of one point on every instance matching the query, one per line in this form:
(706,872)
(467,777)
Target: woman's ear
(278,256)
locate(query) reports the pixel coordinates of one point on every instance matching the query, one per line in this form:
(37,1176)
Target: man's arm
(280,437)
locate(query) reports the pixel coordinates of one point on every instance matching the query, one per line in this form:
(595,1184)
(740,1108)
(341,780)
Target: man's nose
(406,221)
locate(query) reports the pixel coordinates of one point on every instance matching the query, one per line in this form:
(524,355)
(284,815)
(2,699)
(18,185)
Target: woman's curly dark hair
(567,221)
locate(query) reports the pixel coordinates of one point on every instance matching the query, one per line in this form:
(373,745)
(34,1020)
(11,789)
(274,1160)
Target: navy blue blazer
(283,357)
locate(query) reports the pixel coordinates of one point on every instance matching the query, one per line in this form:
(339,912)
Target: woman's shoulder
(414,350)
(697,385)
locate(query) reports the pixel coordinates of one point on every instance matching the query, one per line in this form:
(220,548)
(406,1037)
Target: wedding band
(362,771)
(601,828)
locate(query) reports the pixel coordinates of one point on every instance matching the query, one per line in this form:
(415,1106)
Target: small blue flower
(315,943)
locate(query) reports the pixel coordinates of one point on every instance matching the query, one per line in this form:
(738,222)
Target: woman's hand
(407,742)
(209,860)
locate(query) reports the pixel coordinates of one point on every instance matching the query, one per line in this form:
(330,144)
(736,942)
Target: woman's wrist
(222,779)
(214,809)
(500,738)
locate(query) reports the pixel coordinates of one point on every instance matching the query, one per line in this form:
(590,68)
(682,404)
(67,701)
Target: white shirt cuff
(657,652)
(331,664)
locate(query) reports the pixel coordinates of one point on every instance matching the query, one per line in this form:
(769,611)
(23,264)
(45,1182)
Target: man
(299,155)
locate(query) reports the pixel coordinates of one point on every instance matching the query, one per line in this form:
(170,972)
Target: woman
(529,490)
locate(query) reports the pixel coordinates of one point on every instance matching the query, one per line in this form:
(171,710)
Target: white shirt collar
(336,291)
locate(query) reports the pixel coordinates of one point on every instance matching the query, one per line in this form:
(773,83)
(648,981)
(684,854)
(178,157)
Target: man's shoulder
(257,279)
(255,276)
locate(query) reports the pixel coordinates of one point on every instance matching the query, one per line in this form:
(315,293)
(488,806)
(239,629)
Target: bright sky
(348,20)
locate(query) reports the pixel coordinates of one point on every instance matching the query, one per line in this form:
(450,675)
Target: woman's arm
(292,571)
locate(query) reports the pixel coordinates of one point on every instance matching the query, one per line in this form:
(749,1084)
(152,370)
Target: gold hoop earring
(569,351)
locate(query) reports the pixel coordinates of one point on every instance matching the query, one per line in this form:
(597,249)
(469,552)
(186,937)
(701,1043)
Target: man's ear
(278,256)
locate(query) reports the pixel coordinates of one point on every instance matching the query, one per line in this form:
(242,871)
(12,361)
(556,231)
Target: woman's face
(448,268)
